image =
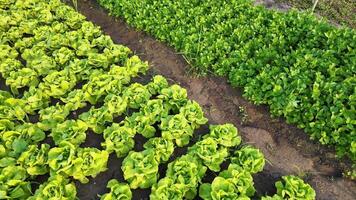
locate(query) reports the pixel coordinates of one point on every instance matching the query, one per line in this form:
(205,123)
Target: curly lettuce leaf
(89,162)
(163,148)
(35,159)
(57,187)
(140,169)
(118,191)
(187,172)
(226,134)
(249,158)
(293,187)
(13,184)
(73,131)
(210,152)
(177,129)
(167,189)
(118,139)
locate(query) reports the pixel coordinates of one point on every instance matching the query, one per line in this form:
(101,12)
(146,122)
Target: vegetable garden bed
(88,108)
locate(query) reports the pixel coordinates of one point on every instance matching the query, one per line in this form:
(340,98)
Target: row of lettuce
(302,68)
(50,53)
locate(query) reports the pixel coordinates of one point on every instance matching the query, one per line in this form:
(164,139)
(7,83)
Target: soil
(287,148)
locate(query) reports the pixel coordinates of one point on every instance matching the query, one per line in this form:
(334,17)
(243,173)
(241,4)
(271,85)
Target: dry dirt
(287,149)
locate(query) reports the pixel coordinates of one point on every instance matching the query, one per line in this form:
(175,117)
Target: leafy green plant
(249,158)
(35,159)
(177,129)
(226,135)
(57,187)
(163,148)
(140,169)
(293,187)
(118,190)
(73,131)
(13,184)
(118,139)
(187,172)
(89,162)
(233,183)
(210,152)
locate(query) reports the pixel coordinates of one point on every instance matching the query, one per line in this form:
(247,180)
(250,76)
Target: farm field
(84,116)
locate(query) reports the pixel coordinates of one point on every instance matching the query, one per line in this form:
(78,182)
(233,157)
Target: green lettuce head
(293,187)
(163,148)
(57,187)
(177,129)
(140,169)
(167,189)
(89,162)
(118,191)
(226,135)
(35,160)
(73,131)
(119,139)
(186,172)
(210,152)
(249,158)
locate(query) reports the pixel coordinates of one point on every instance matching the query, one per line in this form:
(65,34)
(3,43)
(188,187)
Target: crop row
(55,65)
(302,68)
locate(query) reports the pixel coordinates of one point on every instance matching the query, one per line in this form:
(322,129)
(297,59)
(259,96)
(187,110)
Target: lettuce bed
(302,68)
(56,63)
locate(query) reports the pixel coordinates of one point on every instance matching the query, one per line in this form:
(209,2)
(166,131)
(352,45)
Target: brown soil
(287,149)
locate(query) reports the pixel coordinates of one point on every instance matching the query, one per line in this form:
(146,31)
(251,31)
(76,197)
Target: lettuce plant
(175,97)
(226,135)
(194,114)
(118,191)
(233,183)
(96,118)
(187,172)
(140,169)
(163,148)
(56,187)
(210,153)
(35,159)
(13,184)
(73,131)
(60,159)
(249,158)
(137,95)
(89,162)
(157,84)
(293,187)
(177,129)
(118,139)
(166,188)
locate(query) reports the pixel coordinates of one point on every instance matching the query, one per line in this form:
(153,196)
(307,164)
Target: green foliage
(177,129)
(249,158)
(233,183)
(210,152)
(293,187)
(163,148)
(226,135)
(57,187)
(118,139)
(140,169)
(186,172)
(118,191)
(304,73)
(35,159)
(13,184)
(89,162)
(73,131)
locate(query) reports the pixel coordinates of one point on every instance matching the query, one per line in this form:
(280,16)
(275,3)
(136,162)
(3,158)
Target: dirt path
(288,149)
